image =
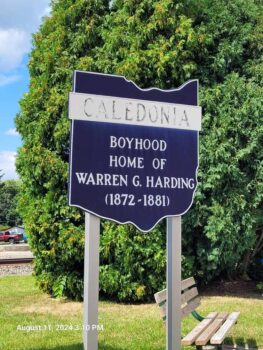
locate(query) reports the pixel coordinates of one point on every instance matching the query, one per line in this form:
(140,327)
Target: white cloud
(7,165)
(13,45)
(23,14)
(9,79)
(18,20)
(12,132)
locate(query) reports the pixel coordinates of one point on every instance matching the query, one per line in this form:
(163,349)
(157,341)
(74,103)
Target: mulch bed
(231,288)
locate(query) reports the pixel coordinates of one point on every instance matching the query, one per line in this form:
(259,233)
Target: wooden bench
(211,330)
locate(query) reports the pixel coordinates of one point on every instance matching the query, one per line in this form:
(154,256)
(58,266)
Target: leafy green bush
(158,43)
(222,226)
(133,263)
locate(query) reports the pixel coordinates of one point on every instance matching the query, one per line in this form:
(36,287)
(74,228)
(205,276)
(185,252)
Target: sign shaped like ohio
(134,152)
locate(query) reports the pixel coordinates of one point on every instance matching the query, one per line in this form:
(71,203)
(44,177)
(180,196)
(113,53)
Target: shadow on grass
(241,342)
(79,346)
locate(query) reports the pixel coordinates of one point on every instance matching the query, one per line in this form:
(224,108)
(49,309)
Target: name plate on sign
(134,152)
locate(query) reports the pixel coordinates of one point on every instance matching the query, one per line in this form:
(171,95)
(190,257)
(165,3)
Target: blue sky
(18,20)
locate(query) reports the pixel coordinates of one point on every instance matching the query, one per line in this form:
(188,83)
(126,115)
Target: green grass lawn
(126,327)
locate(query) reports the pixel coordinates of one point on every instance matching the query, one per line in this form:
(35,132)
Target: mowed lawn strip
(56,325)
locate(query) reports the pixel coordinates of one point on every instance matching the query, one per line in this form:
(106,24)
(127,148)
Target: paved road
(16,255)
(14,247)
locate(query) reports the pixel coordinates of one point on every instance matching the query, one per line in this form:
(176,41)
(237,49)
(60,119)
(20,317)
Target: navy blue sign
(134,152)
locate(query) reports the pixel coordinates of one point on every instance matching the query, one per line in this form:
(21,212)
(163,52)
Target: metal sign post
(91,282)
(173,278)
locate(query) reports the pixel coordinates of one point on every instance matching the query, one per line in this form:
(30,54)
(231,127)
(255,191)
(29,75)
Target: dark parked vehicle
(7,236)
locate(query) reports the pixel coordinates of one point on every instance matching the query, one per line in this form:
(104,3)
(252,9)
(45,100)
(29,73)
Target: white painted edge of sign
(111,109)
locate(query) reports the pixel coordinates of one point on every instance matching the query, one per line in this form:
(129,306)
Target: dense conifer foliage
(158,43)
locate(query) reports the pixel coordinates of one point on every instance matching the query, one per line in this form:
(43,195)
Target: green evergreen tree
(158,43)
(65,41)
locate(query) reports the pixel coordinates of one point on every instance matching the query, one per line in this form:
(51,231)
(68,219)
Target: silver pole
(91,282)
(173,278)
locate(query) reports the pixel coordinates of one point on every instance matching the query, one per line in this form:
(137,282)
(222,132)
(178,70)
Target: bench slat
(191,337)
(184,311)
(188,282)
(211,329)
(160,296)
(234,315)
(220,335)
(163,311)
(190,307)
(189,295)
